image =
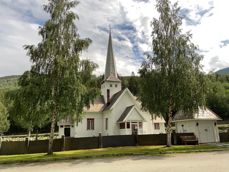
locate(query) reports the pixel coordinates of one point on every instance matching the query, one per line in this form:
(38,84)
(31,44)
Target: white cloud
(13,56)
(20,19)
(210,32)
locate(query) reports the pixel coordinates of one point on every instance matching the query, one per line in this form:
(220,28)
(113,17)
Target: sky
(130,22)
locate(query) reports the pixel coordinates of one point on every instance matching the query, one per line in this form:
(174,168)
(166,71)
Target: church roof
(202,114)
(110,70)
(113,99)
(158,119)
(99,104)
(125,113)
(96,106)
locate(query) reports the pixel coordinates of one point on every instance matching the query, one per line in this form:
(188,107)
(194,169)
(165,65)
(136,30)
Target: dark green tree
(4,122)
(4,114)
(218,95)
(171,78)
(26,111)
(56,60)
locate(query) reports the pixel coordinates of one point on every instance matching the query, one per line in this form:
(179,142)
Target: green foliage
(218,96)
(4,115)
(26,110)
(171,78)
(64,82)
(132,83)
(9,82)
(4,123)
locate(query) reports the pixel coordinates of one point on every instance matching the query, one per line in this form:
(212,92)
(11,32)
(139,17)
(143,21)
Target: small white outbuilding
(203,124)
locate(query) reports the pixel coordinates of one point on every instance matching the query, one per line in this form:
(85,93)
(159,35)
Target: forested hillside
(9,82)
(224,71)
(7,85)
(218,97)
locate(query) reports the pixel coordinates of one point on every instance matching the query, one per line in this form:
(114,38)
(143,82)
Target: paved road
(195,162)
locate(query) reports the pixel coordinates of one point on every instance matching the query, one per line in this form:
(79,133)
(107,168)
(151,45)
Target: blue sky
(130,23)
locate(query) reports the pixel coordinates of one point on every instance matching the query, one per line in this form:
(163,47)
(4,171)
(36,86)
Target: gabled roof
(110,70)
(157,119)
(112,101)
(125,113)
(117,96)
(202,114)
(99,104)
(96,106)
(128,114)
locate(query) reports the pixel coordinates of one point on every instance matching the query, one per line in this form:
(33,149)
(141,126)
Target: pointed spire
(110,71)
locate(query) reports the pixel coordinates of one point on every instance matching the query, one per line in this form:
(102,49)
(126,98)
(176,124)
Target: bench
(189,140)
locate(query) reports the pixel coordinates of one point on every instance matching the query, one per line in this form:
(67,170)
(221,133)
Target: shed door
(206,133)
(67,132)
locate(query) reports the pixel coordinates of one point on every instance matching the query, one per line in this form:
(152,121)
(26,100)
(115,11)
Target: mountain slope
(224,71)
(8,82)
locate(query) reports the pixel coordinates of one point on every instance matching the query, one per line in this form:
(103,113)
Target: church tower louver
(111,83)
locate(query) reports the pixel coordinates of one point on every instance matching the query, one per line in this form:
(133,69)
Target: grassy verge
(108,152)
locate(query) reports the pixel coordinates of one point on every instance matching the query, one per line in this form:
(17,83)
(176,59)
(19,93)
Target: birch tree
(56,59)
(172,77)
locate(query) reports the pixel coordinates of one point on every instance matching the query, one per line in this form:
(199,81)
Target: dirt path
(193,162)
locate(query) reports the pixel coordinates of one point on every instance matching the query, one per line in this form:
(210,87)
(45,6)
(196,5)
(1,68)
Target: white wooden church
(115,112)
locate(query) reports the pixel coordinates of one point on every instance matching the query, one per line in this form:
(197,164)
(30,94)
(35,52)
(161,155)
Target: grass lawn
(107,152)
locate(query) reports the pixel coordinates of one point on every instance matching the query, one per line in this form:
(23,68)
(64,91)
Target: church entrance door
(134,127)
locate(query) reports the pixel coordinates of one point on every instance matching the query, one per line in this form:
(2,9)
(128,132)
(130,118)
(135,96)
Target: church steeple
(111,83)
(110,70)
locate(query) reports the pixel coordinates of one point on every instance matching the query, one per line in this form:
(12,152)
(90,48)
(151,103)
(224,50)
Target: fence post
(0,142)
(63,143)
(174,138)
(27,144)
(100,140)
(136,138)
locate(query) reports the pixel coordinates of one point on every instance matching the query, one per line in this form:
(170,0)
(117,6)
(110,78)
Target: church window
(90,123)
(156,126)
(108,94)
(128,125)
(122,125)
(140,125)
(116,85)
(110,85)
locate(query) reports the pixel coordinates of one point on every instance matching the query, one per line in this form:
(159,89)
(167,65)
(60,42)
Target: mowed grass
(108,152)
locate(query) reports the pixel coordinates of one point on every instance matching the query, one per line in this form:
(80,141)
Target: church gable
(131,114)
(135,115)
(122,98)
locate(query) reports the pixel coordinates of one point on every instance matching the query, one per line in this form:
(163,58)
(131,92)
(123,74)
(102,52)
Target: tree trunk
(29,135)
(36,135)
(169,129)
(0,141)
(51,136)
